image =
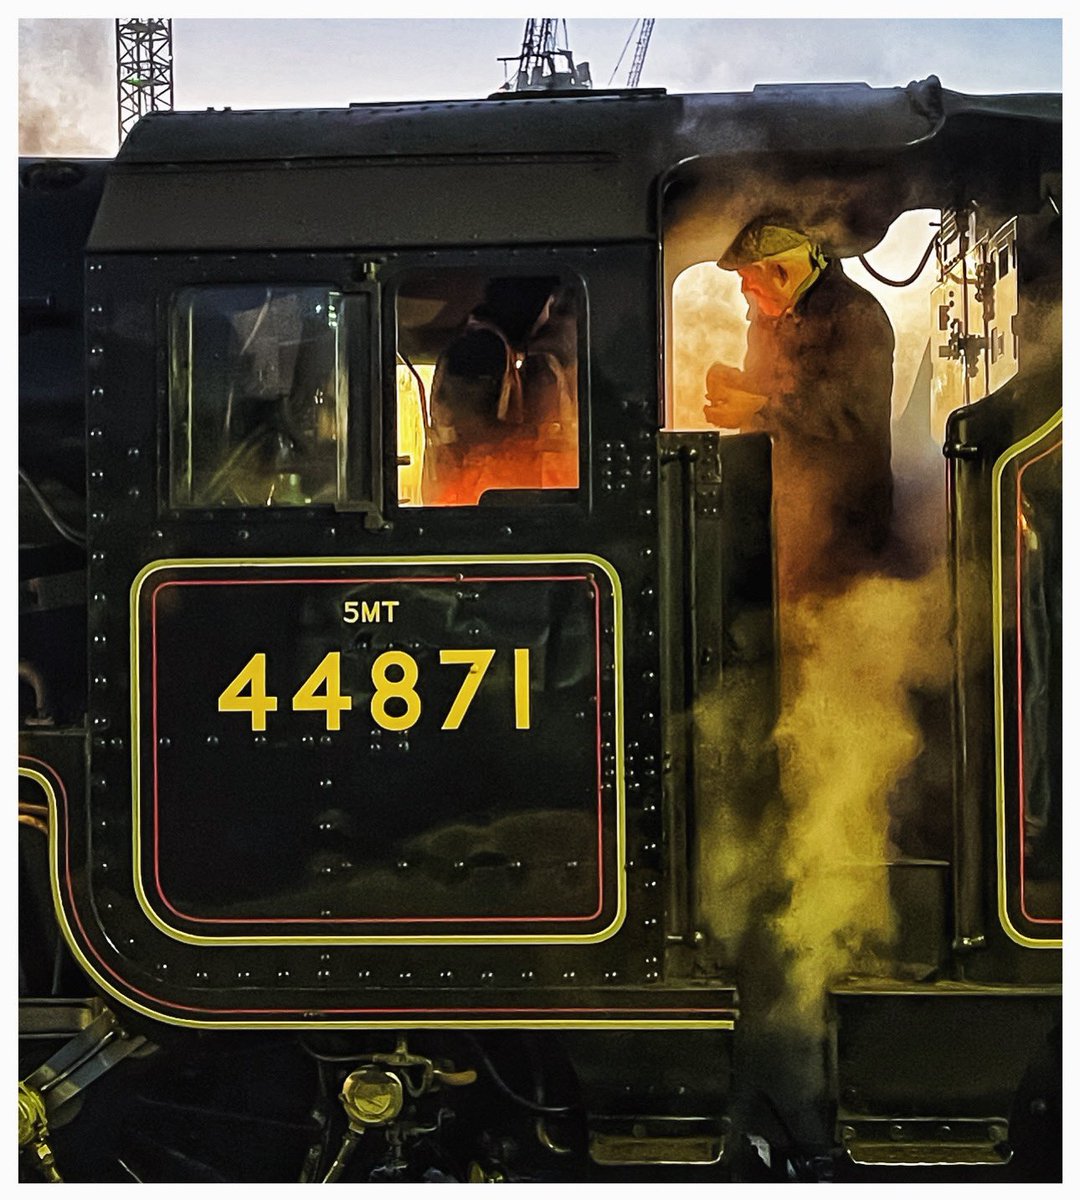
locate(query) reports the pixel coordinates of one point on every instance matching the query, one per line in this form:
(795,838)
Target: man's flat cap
(762,238)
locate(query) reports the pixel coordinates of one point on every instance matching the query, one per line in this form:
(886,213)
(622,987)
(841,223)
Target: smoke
(794,881)
(66,85)
(847,735)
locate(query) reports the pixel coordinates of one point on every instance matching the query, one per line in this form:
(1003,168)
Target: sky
(67,66)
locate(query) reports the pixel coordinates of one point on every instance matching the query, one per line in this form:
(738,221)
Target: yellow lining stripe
(392,939)
(46,786)
(997,585)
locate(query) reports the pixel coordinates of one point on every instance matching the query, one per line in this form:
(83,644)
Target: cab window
(257,396)
(487,386)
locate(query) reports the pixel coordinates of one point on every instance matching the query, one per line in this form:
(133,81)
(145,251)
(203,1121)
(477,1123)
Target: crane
(644,33)
(144,80)
(639,51)
(536,70)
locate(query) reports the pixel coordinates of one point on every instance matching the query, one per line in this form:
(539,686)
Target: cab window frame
(485,266)
(359,431)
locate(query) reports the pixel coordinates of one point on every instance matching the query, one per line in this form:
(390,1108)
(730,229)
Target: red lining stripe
(391,921)
(438,1012)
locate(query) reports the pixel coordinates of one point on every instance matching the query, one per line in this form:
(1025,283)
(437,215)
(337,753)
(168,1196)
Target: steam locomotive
(384,774)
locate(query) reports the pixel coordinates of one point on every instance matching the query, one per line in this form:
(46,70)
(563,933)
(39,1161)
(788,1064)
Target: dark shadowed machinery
(364,807)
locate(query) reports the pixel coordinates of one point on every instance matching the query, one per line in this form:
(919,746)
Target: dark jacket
(826,368)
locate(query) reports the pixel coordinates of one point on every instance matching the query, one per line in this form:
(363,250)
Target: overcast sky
(67,67)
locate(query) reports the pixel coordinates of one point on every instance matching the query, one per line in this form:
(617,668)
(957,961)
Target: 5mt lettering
(395,704)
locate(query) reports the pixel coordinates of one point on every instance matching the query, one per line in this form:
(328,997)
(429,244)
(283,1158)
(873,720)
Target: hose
(901,283)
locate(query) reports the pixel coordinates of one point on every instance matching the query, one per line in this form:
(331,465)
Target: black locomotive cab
(468,701)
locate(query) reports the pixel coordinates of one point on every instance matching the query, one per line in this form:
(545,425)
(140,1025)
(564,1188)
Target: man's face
(773,281)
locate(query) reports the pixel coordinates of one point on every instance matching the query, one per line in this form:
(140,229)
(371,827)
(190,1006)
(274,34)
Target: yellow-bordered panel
(451,564)
(1048,431)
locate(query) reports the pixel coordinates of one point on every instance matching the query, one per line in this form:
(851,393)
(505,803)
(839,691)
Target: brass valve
(371,1096)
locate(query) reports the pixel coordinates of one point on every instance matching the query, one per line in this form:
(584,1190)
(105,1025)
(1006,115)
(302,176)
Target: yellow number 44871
(395,703)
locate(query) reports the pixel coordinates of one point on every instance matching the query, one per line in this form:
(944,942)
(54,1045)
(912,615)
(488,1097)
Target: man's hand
(729,405)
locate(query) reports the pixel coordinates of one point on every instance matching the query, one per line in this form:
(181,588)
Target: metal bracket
(656,1141)
(86,1057)
(925,1141)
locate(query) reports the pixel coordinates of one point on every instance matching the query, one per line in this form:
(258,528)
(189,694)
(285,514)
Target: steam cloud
(66,83)
(847,734)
